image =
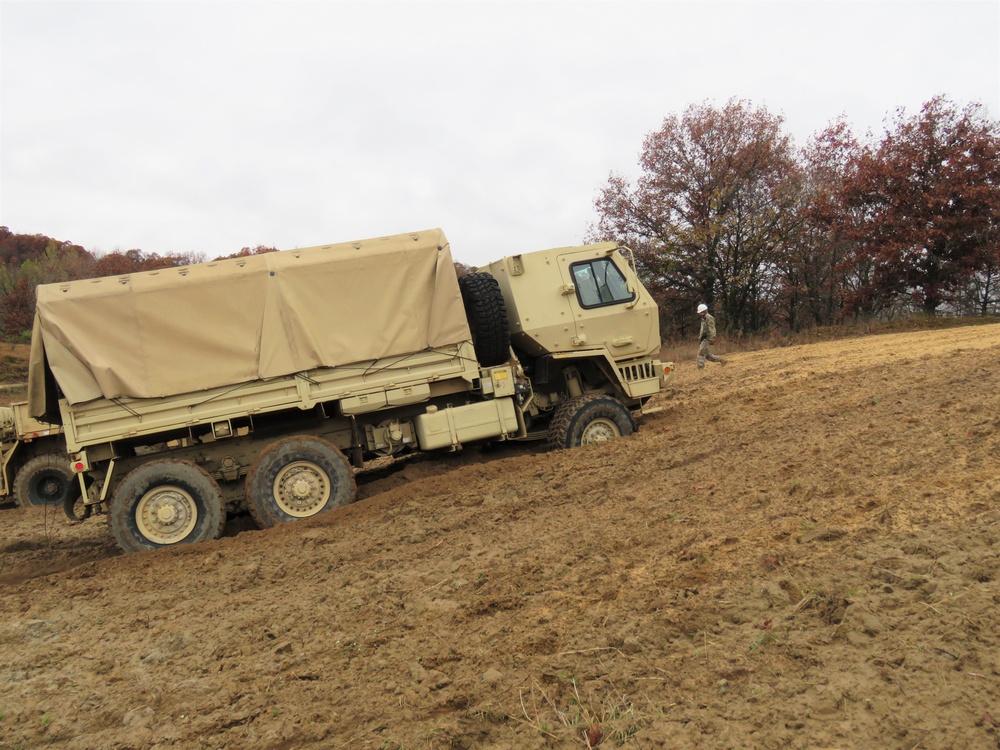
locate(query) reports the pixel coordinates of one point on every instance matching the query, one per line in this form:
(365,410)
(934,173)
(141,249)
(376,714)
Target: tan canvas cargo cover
(179,330)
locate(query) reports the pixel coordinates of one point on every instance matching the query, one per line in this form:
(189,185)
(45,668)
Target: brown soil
(801,550)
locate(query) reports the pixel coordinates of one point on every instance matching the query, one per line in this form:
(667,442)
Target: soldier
(706,338)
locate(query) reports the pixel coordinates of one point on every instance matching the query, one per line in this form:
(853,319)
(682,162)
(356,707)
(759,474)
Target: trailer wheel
(163,503)
(297,477)
(487,315)
(44,480)
(589,419)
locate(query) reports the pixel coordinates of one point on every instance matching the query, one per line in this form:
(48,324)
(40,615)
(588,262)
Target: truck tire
(164,503)
(585,420)
(44,480)
(297,477)
(487,315)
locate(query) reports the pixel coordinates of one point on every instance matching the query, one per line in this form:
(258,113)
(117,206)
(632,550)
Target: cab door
(610,307)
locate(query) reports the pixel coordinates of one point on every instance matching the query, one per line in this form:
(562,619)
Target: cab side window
(599,283)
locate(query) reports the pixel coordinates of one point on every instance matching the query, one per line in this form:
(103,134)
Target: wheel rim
(166,514)
(50,488)
(600,430)
(301,489)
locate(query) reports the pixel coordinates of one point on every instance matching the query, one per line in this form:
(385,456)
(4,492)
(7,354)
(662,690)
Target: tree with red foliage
(246,251)
(923,208)
(17,310)
(119,263)
(813,284)
(17,248)
(711,212)
(30,263)
(981,294)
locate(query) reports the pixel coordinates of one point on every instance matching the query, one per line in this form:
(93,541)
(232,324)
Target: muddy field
(800,550)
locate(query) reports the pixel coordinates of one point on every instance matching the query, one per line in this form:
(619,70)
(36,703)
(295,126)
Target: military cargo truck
(262,383)
(34,467)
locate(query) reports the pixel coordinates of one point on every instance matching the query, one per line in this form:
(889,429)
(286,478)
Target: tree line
(27,260)
(728,211)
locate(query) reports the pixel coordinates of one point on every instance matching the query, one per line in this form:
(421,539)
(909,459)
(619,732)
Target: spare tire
(487,315)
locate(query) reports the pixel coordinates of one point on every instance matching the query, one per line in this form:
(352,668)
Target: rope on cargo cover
(119,402)
(371,369)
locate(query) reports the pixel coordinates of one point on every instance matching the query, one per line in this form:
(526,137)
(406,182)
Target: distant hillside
(14,363)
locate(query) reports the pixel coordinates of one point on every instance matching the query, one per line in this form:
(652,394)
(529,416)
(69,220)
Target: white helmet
(702,308)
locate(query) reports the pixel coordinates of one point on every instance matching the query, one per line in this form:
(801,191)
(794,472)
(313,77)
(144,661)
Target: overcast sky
(204,127)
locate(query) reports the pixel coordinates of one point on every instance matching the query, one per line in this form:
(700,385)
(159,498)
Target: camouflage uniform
(707,337)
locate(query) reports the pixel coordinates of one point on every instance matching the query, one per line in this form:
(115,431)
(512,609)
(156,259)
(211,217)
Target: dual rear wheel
(163,503)
(297,477)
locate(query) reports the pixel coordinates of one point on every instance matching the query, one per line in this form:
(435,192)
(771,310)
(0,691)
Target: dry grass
(560,713)
(13,373)
(687,350)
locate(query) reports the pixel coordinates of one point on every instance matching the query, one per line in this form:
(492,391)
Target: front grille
(638,371)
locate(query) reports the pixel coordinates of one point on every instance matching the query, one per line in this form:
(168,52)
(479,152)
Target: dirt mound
(800,550)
